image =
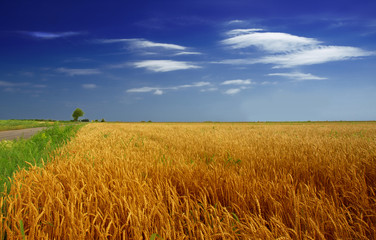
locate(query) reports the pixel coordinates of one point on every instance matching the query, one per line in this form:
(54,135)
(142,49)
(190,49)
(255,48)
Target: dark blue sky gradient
(188,60)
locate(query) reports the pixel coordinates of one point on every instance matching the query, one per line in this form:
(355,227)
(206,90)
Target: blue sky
(188,60)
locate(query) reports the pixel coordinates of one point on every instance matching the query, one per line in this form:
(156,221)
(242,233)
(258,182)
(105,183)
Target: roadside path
(24,133)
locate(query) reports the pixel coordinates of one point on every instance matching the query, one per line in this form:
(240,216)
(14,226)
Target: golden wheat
(202,181)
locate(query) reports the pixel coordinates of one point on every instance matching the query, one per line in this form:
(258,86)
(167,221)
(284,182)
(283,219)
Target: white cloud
(197,84)
(145,47)
(159,90)
(49,35)
(77,71)
(142,90)
(232,91)
(288,50)
(273,42)
(237,82)
(316,55)
(89,86)
(143,43)
(298,76)
(236,32)
(236,21)
(164,65)
(188,53)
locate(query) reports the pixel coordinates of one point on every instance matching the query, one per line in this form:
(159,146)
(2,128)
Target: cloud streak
(242,84)
(160,90)
(237,32)
(237,82)
(232,91)
(143,43)
(297,76)
(6,84)
(187,53)
(89,86)
(286,50)
(26,87)
(164,65)
(273,42)
(11,84)
(146,47)
(319,55)
(49,35)
(78,71)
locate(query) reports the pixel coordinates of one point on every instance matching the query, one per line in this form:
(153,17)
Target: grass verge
(6,125)
(18,154)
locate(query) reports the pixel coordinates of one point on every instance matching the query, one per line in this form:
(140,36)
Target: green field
(21,153)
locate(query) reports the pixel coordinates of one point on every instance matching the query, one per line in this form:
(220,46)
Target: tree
(77,113)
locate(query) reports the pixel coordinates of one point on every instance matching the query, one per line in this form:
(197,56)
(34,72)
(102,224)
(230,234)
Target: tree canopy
(77,113)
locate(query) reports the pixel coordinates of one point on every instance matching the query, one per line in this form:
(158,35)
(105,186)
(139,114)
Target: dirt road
(24,133)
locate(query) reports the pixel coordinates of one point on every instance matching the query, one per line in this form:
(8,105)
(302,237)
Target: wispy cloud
(6,84)
(12,84)
(142,89)
(77,71)
(49,35)
(164,65)
(236,21)
(297,76)
(161,90)
(237,82)
(243,84)
(274,42)
(187,53)
(146,47)
(317,55)
(158,92)
(143,43)
(25,87)
(287,51)
(89,86)
(236,61)
(236,32)
(232,91)
(203,86)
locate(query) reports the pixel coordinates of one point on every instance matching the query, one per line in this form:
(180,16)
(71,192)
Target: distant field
(21,124)
(202,181)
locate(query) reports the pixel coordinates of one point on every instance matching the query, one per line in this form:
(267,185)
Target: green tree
(77,113)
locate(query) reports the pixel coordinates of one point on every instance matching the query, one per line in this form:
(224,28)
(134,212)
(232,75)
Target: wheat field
(201,181)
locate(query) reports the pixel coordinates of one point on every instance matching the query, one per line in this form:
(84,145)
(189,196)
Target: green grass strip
(6,125)
(15,154)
